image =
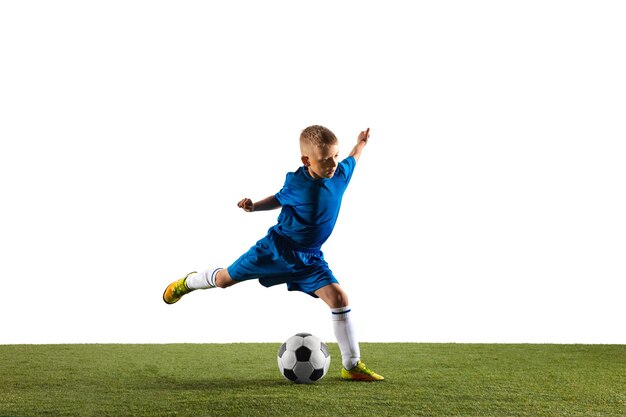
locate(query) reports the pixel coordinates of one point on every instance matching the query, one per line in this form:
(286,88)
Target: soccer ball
(303,358)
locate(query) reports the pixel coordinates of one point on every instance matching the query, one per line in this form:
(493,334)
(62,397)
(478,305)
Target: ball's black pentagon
(304,334)
(303,354)
(324,350)
(282,350)
(290,375)
(317,374)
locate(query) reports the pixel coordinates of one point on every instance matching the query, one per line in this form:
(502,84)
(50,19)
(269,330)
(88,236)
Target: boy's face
(321,161)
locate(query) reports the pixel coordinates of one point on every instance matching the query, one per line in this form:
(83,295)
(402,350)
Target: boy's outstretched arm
(269,203)
(361,141)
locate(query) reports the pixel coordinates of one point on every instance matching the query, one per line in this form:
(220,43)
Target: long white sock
(346,338)
(202,280)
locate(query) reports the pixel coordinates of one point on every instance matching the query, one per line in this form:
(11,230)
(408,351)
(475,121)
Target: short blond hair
(317,136)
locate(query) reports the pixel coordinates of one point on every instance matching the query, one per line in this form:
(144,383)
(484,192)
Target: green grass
(243,380)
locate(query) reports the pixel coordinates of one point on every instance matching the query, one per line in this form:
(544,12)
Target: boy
(291,252)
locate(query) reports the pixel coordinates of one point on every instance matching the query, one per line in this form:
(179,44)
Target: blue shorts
(273,261)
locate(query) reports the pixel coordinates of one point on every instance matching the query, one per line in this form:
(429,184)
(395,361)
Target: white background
(489,205)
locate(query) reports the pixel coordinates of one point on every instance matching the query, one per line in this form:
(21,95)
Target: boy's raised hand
(363,136)
(361,141)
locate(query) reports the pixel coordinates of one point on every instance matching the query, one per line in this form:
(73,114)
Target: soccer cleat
(176,290)
(360,373)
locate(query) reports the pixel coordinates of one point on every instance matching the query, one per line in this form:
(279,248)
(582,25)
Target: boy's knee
(223,279)
(341,300)
(333,295)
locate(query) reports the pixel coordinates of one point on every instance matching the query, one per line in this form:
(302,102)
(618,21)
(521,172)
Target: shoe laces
(180,288)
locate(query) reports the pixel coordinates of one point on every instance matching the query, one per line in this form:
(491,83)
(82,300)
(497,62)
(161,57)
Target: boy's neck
(311,175)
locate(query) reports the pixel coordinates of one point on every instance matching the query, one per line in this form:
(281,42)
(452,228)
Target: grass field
(243,380)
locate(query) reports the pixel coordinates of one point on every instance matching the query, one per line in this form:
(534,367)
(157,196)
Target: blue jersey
(310,206)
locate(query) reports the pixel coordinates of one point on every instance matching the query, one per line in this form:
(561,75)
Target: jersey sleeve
(286,195)
(347,167)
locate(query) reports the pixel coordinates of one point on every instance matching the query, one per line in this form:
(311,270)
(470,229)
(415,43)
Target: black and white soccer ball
(303,358)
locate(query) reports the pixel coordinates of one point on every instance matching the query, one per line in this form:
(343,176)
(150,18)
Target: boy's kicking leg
(353,369)
(211,278)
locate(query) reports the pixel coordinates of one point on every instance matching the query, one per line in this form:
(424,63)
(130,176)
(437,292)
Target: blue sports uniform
(291,252)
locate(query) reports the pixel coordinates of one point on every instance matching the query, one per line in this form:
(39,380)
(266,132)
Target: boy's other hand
(246,204)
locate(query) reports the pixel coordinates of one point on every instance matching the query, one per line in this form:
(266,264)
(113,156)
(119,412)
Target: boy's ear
(305,160)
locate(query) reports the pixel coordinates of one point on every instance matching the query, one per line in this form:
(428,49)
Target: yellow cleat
(176,290)
(360,373)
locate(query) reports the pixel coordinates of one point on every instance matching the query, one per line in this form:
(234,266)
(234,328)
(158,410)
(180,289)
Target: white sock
(346,338)
(202,280)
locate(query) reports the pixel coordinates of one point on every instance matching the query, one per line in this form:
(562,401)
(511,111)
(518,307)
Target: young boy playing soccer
(291,252)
